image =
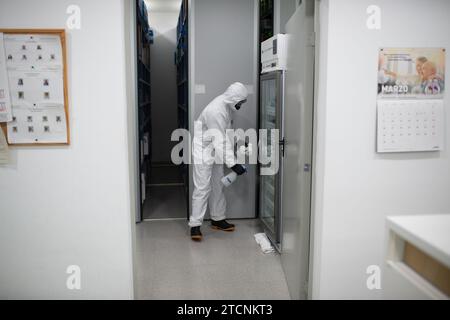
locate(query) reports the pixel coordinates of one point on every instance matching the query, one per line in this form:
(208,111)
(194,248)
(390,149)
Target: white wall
(164,83)
(63,206)
(164,5)
(357,188)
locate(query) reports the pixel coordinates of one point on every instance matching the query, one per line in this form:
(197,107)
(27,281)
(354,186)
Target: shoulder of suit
(216,106)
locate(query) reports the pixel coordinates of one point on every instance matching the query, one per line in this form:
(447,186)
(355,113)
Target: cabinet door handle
(282,145)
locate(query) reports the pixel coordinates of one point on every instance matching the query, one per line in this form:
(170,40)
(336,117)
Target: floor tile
(224,266)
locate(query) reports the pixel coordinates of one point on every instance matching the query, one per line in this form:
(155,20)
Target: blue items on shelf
(143,17)
(144,103)
(142,12)
(182,63)
(149,35)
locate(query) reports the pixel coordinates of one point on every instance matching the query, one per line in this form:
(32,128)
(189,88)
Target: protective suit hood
(235,93)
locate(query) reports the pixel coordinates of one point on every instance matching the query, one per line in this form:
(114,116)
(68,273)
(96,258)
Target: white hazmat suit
(212,148)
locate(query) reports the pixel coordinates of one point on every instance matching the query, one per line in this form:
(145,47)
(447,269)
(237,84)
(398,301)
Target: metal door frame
(296,260)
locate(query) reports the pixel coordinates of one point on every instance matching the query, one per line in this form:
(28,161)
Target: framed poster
(37,76)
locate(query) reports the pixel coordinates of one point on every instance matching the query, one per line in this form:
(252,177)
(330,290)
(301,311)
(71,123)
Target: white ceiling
(164,5)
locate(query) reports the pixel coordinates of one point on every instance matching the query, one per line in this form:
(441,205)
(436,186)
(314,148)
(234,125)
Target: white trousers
(207,186)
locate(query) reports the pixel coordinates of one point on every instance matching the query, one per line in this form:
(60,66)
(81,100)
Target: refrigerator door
(271,118)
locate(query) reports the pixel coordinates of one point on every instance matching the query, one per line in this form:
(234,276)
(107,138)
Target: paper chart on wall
(35,74)
(5,102)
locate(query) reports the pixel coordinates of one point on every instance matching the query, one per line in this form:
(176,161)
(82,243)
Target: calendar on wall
(410,125)
(410,104)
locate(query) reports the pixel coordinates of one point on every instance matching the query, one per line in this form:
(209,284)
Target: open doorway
(174,87)
(162,99)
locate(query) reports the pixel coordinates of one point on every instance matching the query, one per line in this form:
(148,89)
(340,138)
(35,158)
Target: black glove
(239,169)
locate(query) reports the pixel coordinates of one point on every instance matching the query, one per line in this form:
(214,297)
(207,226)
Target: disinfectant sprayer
(230,178)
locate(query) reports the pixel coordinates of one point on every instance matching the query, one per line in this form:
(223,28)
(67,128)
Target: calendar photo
(411,72)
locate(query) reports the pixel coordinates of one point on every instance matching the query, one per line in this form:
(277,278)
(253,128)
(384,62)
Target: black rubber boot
(196,234)
(222,225)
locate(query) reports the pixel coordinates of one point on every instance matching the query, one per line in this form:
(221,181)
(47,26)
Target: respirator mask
(239,104)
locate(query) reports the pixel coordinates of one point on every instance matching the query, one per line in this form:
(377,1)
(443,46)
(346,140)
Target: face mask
(239,104)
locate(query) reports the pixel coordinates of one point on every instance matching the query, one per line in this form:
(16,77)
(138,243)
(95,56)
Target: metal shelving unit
(266,19)
(144,38)
(182,63)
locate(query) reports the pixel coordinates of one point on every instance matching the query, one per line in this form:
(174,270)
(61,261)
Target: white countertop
(430,233)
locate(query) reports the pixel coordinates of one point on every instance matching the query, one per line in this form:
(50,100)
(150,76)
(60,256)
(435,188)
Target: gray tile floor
(165,203)
(224,266)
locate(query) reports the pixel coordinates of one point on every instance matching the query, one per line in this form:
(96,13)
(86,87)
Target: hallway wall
(356,188)
(164,85)
(62,206)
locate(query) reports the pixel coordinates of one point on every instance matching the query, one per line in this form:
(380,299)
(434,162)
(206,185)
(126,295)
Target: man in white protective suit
(211,149)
